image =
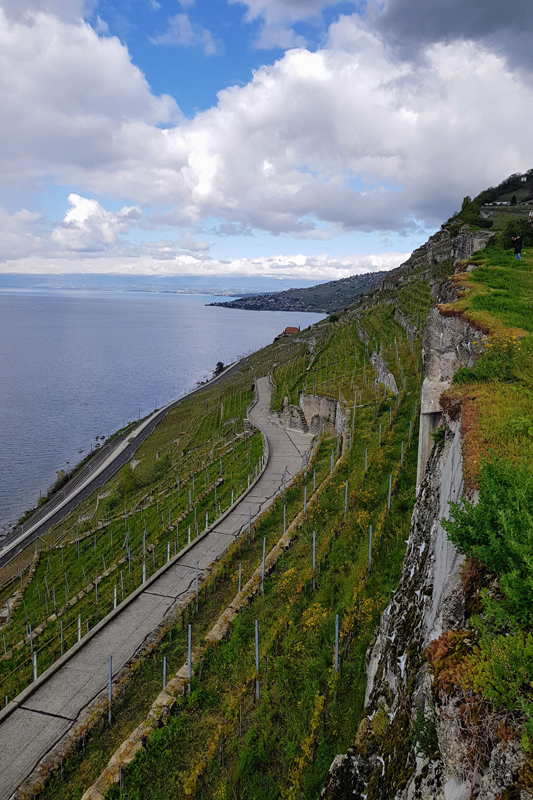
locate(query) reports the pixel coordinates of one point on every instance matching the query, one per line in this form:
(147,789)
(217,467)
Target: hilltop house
(287,332)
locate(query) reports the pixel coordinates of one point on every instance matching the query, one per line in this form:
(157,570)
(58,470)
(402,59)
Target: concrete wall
(383,373)
(319,411)
(313,414)
(449,343)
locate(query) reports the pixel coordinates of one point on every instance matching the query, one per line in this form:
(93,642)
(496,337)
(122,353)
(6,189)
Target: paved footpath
(47,715)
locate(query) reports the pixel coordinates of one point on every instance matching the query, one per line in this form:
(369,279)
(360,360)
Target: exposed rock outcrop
(383,373)
(313,414)
(440,249)
(386,762)
(403,320)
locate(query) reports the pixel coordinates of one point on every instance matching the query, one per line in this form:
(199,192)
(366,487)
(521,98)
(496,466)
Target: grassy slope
(497,397)
(493,673)
(296,627)
(297,632)
(196,439)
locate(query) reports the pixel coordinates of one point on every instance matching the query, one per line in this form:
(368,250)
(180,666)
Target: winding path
(36,722)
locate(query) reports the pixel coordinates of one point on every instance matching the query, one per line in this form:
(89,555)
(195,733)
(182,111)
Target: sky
(302,139)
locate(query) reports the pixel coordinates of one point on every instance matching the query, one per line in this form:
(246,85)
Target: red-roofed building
(291,331)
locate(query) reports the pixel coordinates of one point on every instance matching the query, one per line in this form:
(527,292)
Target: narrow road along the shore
(41,721)
(95,474)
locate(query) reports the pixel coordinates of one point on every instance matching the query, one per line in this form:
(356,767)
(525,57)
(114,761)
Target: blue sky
(185,72)
(290,138)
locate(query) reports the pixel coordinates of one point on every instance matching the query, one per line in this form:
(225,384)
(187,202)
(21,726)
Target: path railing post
(109,685)
(257,659)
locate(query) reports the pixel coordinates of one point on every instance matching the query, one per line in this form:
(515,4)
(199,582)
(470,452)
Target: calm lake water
(75,364)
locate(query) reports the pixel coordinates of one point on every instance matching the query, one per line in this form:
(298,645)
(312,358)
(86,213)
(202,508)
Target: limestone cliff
(439,250)
(392,757)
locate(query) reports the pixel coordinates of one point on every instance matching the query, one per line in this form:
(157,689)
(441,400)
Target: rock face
(467,242)
(403,320)
(427,601)
(313,414)
(440,249)
(448,343)
(392,757)
(383,373)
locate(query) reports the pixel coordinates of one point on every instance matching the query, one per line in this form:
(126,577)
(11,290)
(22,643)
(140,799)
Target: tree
(513,200)
(219,368)
(515,227)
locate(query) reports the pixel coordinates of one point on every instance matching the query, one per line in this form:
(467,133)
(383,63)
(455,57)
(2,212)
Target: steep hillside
(366,624)
(448,704)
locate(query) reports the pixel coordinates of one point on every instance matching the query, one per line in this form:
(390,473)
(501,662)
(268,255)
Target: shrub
(515,227)
(160,468)
(499,530)
(439,435)
(464,375)
(423,732)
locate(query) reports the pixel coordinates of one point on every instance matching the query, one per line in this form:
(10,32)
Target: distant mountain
(325,298)
(226,285)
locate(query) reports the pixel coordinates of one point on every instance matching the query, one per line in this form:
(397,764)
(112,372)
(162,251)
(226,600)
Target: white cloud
(182,32)
(101,25)
(278,35)
(161,259)
(279,10)
(89,227)
(288,144)
(188,242)
(347,138)
(278,16)
(70,99)
(20,234)
(68,10)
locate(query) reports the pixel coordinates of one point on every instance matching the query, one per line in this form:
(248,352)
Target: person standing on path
(517,241)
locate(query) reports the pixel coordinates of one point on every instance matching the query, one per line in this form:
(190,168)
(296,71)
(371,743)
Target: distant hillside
(326,298)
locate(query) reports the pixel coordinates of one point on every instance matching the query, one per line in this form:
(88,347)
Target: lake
(76,364)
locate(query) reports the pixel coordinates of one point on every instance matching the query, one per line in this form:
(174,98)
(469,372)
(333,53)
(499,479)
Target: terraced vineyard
(220,739)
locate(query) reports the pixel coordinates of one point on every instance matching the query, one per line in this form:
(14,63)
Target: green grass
(503,287)
(297,632)
(65,571)
(296,626)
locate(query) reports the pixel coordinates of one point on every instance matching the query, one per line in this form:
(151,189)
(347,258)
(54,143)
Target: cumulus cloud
(347,138)
(410,26)
(89,227)
(278,17)
(347,134)
(69,10)
(70,99)
(183,33)
(20,234)
(274,11)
